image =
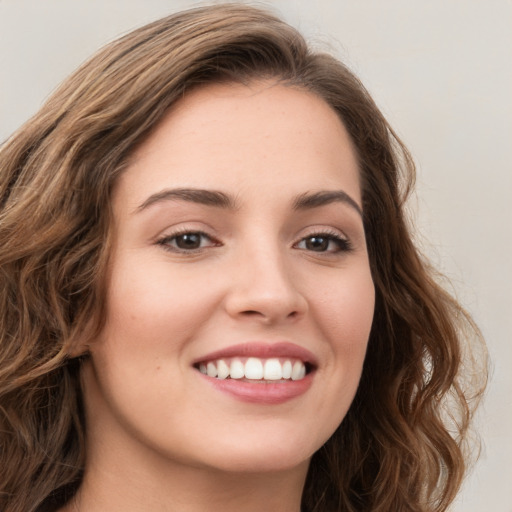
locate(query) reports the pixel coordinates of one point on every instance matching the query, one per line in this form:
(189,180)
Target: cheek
(148,305)
(346,311)
(138,358)
(344,314)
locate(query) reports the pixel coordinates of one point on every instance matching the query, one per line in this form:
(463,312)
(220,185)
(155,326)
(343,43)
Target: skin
(160,436)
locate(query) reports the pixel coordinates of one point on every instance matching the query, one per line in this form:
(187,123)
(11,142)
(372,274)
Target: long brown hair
(401,445)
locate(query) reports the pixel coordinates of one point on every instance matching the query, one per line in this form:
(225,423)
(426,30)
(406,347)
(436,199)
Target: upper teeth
(254,369)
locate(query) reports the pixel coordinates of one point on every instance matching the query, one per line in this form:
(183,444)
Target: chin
(268,453)
(263,463)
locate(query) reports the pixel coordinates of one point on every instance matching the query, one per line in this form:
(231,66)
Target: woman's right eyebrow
(193,195)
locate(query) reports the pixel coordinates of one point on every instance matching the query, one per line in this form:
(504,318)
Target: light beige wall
(441,71)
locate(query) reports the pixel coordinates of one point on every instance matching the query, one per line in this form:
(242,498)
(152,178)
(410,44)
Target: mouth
(259,372)
(255,369)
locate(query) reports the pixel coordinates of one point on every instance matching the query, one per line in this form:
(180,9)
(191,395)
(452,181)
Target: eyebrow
(316,199)
(219,199)
(192,195)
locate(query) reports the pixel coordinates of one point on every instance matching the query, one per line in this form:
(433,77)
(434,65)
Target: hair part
(396,449)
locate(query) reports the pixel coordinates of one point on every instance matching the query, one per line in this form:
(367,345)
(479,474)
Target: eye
(187,241)
(324,242)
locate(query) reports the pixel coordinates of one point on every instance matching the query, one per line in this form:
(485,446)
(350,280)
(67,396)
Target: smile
(255,369)
(259,373)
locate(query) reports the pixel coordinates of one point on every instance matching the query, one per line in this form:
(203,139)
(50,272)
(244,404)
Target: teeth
(298,371)
(211,370)
(255,369)
(272,370)
(222,369)
(237,370)
(287,370)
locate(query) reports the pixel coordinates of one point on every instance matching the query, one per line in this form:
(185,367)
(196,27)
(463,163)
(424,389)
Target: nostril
(254,313)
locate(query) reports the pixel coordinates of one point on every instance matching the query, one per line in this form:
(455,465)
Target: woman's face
(239,251)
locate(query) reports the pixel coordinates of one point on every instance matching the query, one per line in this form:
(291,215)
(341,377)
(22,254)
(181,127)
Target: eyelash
(166,240)
(343,244)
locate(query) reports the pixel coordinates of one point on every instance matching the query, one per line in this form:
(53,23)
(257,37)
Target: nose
(265,289)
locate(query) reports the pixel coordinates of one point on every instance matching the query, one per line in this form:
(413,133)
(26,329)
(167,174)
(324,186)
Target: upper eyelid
(163,239)
(311,232)
(172,231)
(297,224)
(209,232)
(327,234)
(323,230)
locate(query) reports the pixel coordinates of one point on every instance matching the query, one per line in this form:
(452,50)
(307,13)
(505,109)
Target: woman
(210,294)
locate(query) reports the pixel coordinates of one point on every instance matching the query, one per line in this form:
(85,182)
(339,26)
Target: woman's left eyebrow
(324,197)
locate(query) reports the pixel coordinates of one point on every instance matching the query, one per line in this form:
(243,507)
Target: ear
(77,349)
(80,343)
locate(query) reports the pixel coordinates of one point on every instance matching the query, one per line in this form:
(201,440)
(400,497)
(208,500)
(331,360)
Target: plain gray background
(442,73)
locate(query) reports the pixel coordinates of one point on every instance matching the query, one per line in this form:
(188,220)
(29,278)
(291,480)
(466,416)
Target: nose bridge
(263,286)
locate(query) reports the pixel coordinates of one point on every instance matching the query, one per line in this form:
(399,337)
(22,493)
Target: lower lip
(270,393)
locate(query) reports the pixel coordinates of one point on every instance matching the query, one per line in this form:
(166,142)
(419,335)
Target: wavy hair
(401,445)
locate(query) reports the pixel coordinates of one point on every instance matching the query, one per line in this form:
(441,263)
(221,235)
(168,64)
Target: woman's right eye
(188,241)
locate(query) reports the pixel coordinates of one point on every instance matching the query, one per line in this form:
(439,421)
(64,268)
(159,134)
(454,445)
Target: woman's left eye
(189,241)
(324,242)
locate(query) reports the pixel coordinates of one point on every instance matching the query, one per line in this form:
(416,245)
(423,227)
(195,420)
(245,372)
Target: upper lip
(262,350)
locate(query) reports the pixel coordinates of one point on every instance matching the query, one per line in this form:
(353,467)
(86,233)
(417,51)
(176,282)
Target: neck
(187,489)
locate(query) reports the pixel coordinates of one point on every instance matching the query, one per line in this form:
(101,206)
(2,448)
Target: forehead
(262,135)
